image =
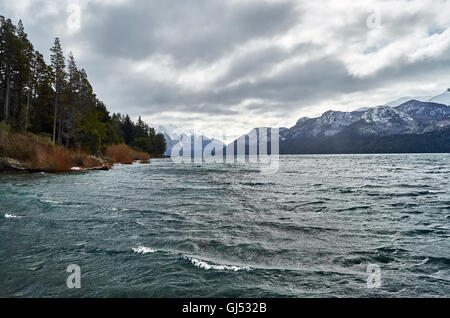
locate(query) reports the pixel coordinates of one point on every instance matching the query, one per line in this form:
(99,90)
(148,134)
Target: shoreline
(30,153)
(12,166)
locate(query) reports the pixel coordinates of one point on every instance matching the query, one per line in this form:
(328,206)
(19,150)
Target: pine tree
(9,55)
(58,64)
(26,71)
(74,77)
(128,130)
(72,107)
(41,114)
(160,144)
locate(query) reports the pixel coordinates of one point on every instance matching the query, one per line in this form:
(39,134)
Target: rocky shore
(9,165)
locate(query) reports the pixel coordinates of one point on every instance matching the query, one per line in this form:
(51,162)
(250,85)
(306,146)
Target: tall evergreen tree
(41,114)
(128,130)
(26,60)
(9,54)
(58,64)
(160,144)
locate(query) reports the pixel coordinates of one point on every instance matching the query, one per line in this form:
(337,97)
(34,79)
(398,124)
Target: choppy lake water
(172,230)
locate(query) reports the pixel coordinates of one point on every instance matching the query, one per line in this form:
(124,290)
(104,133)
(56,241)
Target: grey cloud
(191,31)
(199,33)
(299,86)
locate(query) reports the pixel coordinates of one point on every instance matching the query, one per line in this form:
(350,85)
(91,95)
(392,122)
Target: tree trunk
(54,119)
(26,113)
(7,98)
(60,128)
(28,105)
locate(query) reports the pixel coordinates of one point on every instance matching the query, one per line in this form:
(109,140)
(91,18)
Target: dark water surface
(171,230)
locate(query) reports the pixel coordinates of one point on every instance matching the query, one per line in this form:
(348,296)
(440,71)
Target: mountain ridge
(174,135)
(375,129)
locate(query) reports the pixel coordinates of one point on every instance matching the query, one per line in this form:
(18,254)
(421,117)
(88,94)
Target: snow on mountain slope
(443,98)
(329,124)
(381,120)
(363,109)
(175,134)
(425,112)
(403,100)
(171,131)
(385,120)
(332,122)
(385,114)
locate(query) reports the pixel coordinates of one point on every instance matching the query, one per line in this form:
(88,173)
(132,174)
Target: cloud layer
(236,65)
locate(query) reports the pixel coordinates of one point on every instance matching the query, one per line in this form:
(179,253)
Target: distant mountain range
(411,126)
(408,125)
(175,134)
(443,98)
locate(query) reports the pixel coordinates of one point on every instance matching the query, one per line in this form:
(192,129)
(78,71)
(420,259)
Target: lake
(190,230)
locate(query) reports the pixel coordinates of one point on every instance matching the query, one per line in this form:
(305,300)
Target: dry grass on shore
(34,152)
(38,153)
(126,155)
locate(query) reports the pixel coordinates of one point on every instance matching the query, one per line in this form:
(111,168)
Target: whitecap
(51,201)
(12,216)
(76,169)
(143,250)
(423,262)
(140,222)
(219,267)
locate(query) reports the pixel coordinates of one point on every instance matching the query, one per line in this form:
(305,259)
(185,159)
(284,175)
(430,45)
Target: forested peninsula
(51,119)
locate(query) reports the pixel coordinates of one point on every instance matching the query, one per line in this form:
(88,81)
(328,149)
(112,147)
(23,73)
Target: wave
(51,202)
(71,204)
(441,261)
(12,216)
(287,226)
(143,250)
(257,184)
(422,262)
(218,267)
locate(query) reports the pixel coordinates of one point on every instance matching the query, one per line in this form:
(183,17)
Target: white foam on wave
(144,250)
(51,201)
(12,216)
(219,267)
(423,262)
(140,222)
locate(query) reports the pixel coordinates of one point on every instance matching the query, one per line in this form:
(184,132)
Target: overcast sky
(238,64)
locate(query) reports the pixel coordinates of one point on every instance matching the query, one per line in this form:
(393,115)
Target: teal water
(171,230)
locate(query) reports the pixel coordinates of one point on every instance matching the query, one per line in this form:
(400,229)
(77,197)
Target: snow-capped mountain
(425,113)
(385,120)
(329,124)
(175,134)
(412,126)
(172,132)
(443,98)
(403,100)
(254,140)
(412,116)
(407,125)
(385,115)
